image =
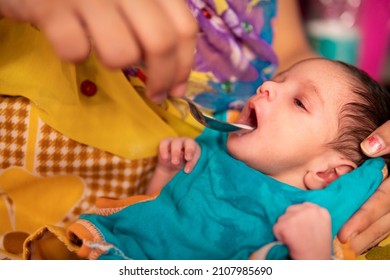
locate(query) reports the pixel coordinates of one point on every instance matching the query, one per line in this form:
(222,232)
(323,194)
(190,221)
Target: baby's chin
(235,148)
(238,140)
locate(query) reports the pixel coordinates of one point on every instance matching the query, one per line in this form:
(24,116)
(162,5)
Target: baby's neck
(294,178)
(294,182)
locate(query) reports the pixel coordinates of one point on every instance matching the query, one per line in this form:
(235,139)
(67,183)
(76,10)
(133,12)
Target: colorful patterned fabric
(233,55)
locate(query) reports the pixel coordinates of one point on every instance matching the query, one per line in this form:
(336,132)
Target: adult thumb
(378,143)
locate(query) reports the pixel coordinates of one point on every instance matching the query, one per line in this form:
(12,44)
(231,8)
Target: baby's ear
(324,173)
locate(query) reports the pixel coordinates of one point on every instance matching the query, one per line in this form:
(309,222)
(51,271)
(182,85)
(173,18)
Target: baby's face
(296,115)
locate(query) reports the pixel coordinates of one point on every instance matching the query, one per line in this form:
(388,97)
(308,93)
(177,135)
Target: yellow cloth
(116,119)
(30,202)
(36,199)
(48,176)
(379,252)
(48,179)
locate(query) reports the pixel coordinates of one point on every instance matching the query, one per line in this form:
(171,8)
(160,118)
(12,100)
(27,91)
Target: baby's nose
(265,91)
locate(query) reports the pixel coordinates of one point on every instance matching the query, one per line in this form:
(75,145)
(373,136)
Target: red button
(88,88)
(206,13)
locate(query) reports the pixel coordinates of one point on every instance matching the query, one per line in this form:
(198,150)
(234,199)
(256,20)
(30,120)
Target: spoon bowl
(212,122)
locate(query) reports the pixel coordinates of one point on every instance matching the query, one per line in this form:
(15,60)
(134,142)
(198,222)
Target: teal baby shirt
(222,210)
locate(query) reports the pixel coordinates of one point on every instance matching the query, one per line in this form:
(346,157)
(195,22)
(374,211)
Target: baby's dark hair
(360,117)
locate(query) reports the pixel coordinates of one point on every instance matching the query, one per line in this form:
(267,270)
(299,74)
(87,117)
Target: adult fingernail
(179,90)
(157,98)
(351,236)
(372,145)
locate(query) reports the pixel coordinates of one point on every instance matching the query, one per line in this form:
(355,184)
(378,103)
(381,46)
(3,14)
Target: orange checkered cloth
(32,154)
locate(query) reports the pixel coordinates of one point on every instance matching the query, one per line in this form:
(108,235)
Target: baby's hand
(306,230)
(178,153)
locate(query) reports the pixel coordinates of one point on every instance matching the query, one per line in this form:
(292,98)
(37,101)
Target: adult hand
(160,33)
(371,223)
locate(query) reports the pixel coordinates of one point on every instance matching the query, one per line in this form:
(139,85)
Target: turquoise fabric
(223,210)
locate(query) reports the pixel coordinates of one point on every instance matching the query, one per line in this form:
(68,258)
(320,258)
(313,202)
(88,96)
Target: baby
(215,203)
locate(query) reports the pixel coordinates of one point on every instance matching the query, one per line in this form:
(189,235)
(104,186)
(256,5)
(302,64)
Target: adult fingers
(156,35)
(69,40)
(13,9)
(371,236)
(186,29)
(378,143)
(113,40)
(62,26)
(377,206)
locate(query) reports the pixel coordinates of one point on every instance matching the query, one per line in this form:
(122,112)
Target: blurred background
(354,31)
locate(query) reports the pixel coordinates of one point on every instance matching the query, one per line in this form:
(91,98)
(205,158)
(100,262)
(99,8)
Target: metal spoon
(211,122)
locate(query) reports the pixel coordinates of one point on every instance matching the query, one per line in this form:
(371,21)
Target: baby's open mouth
(248,118)
(252,118)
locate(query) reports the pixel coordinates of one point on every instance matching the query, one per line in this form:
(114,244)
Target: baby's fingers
(164,151)
(191,154)
(179,153)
